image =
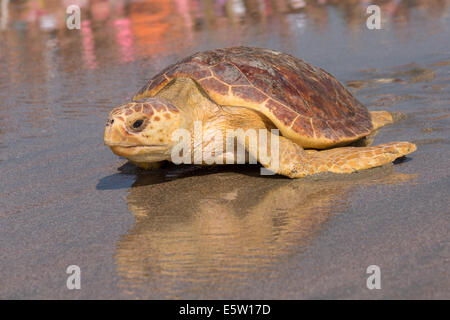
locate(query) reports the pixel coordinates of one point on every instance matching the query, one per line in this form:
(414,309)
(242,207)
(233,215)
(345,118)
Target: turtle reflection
(215,228)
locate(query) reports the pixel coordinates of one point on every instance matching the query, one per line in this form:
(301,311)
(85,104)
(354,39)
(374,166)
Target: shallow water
(217,232)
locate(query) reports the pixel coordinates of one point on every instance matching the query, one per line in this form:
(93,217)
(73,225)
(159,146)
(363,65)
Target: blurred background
(140,29)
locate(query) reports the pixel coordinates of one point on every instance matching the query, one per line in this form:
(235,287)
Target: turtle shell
(306,103)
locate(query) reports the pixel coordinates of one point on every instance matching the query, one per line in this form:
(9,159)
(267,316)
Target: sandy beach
(219,232)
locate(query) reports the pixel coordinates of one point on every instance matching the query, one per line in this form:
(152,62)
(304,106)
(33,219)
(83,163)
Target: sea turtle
(251,88)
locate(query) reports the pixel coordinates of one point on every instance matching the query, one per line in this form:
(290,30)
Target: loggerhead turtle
(252,88)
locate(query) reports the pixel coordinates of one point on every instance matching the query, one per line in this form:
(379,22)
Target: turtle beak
(111,135)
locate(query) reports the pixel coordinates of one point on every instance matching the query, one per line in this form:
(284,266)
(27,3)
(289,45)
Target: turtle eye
(137,124)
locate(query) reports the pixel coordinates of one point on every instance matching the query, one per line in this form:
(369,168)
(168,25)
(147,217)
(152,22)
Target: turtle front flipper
(350,159)
(288,158)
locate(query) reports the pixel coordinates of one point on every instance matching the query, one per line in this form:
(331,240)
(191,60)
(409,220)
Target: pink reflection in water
(124,39)
(88,45)
(183,9)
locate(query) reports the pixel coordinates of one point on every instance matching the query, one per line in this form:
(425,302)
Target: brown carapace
(253,88)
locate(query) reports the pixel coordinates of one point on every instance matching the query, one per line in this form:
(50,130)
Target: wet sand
(219,232)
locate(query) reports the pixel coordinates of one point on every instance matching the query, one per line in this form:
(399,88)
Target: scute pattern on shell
(303,98)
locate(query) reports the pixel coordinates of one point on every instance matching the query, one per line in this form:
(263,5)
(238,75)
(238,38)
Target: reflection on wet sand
(403,74)
(211,229)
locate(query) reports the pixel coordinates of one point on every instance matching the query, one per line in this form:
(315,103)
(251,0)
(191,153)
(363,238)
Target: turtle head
(141,131)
